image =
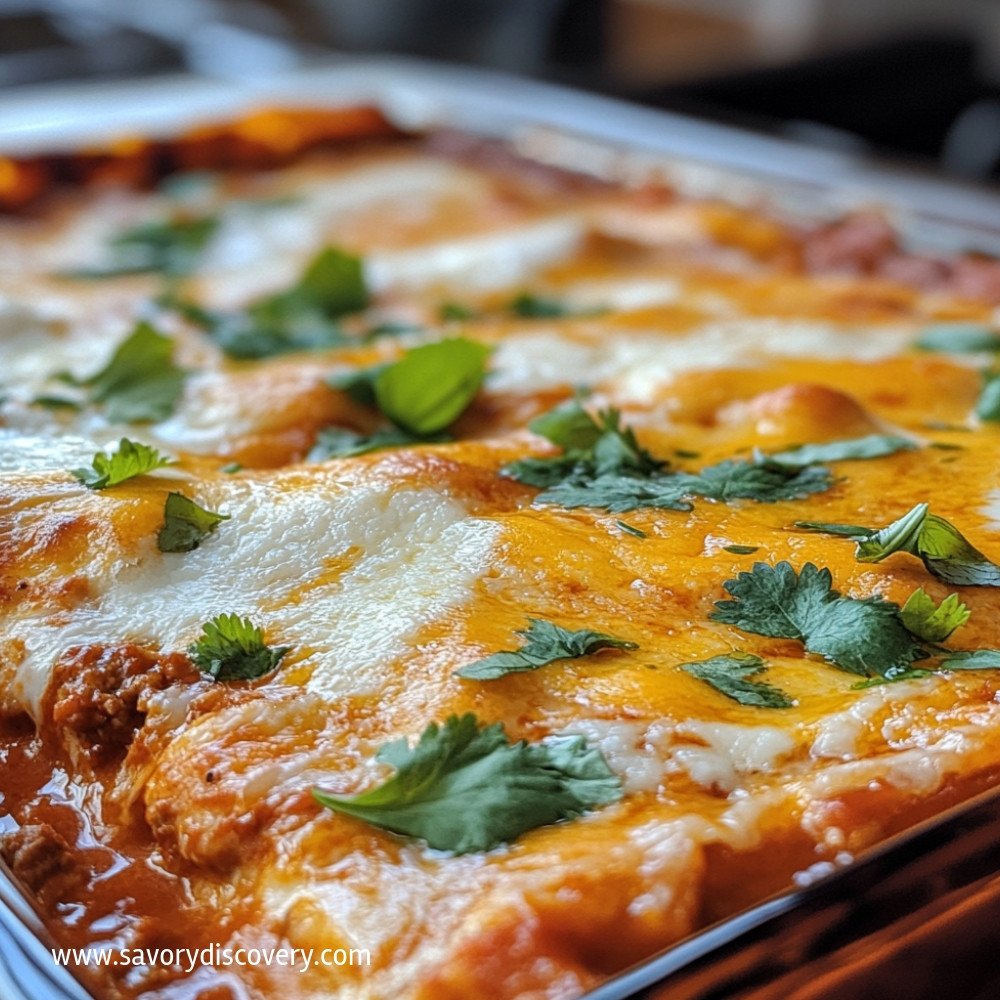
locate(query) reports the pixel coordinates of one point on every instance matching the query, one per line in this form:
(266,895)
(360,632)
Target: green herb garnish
(933,622)
(232,648)
(862,636)
(431,386)
(130,460)
(171,247)
(301,318)
(871,446)
(731,675)
(603,465)
(464,788)
(185,524)
(941,547)
(337,442)
(631,529)
(140,382)
(544,643)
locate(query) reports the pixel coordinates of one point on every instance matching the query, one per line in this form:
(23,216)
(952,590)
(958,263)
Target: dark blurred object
(550,38)
(913,96)
(35,48)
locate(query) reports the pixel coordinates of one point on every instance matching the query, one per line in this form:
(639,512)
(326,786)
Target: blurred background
(917,80)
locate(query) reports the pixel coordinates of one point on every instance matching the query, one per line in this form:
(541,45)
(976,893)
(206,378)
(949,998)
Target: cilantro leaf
(938,543)
(130,460)
(603,465)
(617,494)
(232,648)
(338,442)
(958,338)
(591,447)
(185,524)
(853,531)
(570,427)
(725,482)
(731,675)
(431,386)
(543,643)
(988,404)
(893,677)
(763,481)
(860,636)
(301,318)
(979,659)
(168,246)
(531,306)
(140,382)
(870,446)
(933,622)
(942,548)
(57,403)
(631,529)
(455,312)
(465,788)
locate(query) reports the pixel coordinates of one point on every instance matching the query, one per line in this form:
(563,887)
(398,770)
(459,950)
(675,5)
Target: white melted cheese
(991,510)
(493,260)
(640,363)
(718,756)
(272,562)
(254,235)
(729,751)
(26,452)
(35,343)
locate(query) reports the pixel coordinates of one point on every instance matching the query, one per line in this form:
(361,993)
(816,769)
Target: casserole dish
(677,542)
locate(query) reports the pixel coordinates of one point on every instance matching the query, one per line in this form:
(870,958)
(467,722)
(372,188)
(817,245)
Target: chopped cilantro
(130,460)
(933,622)
(862,636)
(603,465)
(941,547)
(741,550)
(432,385)
(57,403)
(543,643)
(465,788)
(301,318)
(530,306)
(455,312)
(170,247)
(232,648)
(731,675)
(725,482)
(871,446)
(140,382)
(631,529)
(338,442)
(185,524)
(977,659)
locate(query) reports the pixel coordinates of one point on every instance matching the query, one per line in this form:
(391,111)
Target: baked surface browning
(145,804)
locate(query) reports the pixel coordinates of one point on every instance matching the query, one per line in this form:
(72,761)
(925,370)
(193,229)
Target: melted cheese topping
(385,573)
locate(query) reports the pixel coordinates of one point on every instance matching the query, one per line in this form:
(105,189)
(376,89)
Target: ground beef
(98,691)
